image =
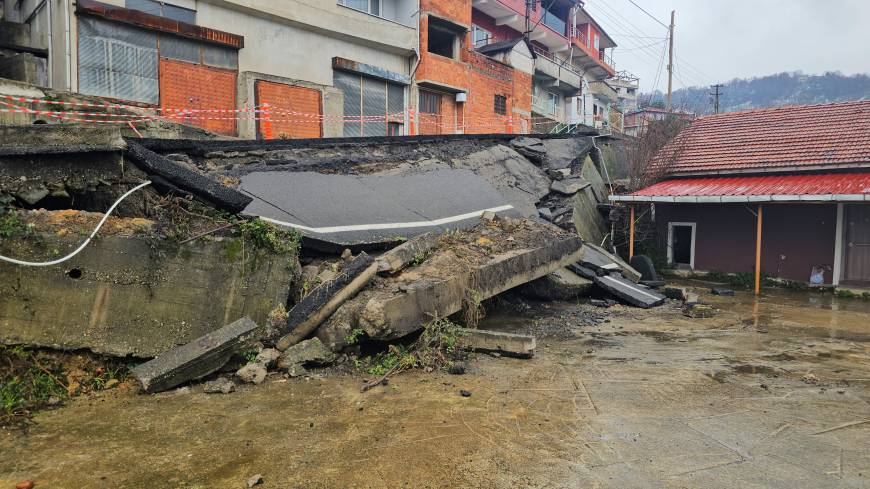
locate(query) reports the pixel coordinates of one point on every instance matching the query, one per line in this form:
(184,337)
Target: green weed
(355,336)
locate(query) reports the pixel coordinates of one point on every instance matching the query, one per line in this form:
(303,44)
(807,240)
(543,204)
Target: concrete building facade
(315,68)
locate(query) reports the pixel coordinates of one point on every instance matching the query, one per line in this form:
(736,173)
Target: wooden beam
(630,233)
(758,251)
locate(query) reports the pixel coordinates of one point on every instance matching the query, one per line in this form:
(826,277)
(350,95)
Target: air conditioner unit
(461,97)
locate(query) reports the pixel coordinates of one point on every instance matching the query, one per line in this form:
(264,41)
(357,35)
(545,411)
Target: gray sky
(718,40)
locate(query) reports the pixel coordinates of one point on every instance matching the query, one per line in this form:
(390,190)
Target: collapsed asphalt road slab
(629,292)
(348,210)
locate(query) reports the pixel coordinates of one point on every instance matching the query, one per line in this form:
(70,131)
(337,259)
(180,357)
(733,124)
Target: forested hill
(770,91)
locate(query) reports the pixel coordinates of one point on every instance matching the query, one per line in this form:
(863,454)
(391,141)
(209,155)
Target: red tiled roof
(785,138)
(758,188)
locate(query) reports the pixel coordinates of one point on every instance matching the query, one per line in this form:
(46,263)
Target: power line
(651,16)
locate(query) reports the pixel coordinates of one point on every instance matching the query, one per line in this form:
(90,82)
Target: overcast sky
(718,40)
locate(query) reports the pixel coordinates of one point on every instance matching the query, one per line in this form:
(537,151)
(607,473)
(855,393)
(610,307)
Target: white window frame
(368,9)
(553,98)
(671,226)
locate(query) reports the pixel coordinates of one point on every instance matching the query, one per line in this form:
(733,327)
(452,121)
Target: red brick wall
(488,78)
(188,85)
(288,98)
(456,10)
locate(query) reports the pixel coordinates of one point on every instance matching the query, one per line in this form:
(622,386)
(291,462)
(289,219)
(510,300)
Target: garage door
(372,107)
(295,112)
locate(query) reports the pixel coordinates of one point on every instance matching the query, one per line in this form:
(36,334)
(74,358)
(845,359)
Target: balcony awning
(827,187)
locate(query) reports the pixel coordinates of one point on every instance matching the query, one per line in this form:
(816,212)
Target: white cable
(82,246)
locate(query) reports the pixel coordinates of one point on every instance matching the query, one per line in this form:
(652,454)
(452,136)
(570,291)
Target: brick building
(315,68)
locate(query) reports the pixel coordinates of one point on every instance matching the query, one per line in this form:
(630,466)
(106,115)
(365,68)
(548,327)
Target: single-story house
(783,191)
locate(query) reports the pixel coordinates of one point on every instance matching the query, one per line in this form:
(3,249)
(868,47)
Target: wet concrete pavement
(766,394)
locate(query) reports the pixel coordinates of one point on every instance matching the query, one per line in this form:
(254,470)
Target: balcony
(551,32)
(548,107)
(555,73)
(603,92)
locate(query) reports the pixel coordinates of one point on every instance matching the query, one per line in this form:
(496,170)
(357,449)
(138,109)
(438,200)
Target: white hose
(83,245)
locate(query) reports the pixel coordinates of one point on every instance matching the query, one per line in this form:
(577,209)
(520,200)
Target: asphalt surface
(359,209)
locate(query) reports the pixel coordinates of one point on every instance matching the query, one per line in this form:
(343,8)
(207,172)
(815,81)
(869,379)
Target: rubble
(317,306)
(413,250)
(311,352)
(195,359)
(220,385)
(517,345)
(563,284)
(252,373)
(629,292)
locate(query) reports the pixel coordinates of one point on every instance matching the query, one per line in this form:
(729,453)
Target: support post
(758,251)
(630,232)
(671,61)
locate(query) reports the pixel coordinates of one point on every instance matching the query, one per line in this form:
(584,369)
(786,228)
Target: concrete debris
(569,186)
(317,306)
(254,480)
(692,299)
(267,357)
(311,352)
(220,385)
(644,265)
(252,373)
(603,262)
(566,152)
(414,249)
(212,191)
(195,359)
(629,292)
(517,345)
(531,148)
(675,293)
(563,284)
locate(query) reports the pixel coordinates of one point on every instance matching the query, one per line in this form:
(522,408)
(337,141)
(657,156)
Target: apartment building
(327,68)
(324,68)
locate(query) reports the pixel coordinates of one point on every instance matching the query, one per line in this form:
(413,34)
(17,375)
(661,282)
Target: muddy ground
(773,393)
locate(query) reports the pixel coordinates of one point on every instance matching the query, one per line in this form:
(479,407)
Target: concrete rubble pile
(427,228)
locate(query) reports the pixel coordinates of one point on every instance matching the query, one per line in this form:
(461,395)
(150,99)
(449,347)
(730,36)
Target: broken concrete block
(675,293)
(602,261)
(43,139)
(569,186)
(267,357)
(195,359)
(692,299)
(563,284)
(252,373)
(220,385)
(600,303)
(545,213)
(407,252)
(566,152)
(309,352)
(389,315)
(314,308)
(721,291)
(531,148)
(517,345)
(200,185)
(629,292)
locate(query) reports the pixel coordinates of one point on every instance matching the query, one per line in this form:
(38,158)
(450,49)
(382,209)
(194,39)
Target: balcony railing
(563,64)
(550,20)
(580,38)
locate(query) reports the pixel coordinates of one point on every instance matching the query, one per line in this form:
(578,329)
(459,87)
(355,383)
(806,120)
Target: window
(430,102)
(597,41)
(480,36)
(442,39)
(500,104)
(368,6)
(372,107)
(163,9)
(117,61)
(193,51)
(552,102)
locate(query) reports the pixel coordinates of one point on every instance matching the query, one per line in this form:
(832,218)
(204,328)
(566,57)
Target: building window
(430,102)
(368,6)
(480,36)
(552,102)
(372,107)
(597,41)
(442,39)
(163,9)
(500,104)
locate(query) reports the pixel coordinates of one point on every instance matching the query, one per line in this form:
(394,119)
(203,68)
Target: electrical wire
(83,245)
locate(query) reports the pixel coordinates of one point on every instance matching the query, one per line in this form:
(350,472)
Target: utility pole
(671,61)
(716,93)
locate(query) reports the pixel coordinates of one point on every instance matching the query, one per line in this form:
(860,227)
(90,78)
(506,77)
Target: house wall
(795,237)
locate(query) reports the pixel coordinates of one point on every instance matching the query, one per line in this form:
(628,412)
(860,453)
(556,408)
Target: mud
(650,399)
